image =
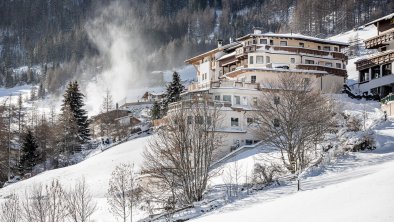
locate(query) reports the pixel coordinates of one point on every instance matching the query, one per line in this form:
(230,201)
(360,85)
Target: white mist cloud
(121,52)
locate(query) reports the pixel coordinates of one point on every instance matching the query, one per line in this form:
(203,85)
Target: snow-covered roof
(227,56)
(296,36)
(222,48)
(380,19)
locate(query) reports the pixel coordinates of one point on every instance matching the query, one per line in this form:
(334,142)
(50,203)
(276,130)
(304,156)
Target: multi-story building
(235,74)
(376,71)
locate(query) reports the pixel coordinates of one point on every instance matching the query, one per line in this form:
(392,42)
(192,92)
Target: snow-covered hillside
(96,170)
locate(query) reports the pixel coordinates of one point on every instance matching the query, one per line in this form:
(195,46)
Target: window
(318,47)
(263,41)
(254,101)
(244,101)
(259,59)
(237,100)
(292,60)
(339,65)
(189,120)
(251,60)
(276,100)
(254,41)
(276,122)
(307,82)
(267,59)
(271,42)
(249,120)
(307,61)
(336,49)
(199,120)
(326,48)
(328,64)
(253,79)
(234,121)
(386,68)
(227,98)
(248,142)
(217,98)
(383,49)
(302,45)
(283,43)
(209,120)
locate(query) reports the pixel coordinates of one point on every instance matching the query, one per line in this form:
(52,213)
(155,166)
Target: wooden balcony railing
(379,40)
(330,70)
(375,60)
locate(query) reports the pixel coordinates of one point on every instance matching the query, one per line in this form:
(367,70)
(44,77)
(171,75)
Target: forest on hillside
(53,34)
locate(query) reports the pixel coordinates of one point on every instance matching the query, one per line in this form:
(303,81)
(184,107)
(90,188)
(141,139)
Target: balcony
(298,50)
(379,59)
(187,104)
(380,40)
(330,70)
(235,84)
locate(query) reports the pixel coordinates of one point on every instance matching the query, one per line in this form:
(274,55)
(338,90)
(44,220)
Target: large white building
(376,71)
(235,74)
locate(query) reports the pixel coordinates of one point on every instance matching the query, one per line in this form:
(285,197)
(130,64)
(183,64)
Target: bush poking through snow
(367,142)
(266,173)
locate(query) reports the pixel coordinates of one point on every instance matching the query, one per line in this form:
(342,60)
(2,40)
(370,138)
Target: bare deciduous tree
(123,192)
(10,209)
(293,117)
(80,204)
(45,204)
(178,158)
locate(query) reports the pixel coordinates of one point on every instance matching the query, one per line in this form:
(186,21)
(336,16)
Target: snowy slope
(96,170)
(367,198)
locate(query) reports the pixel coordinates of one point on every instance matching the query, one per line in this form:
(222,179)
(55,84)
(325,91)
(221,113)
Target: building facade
(234,75)
(376,71)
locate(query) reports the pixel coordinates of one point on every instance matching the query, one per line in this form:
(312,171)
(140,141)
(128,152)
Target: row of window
(328,64)
(237,99)
(235,121)
(260,60)
(199,120)
(284,43)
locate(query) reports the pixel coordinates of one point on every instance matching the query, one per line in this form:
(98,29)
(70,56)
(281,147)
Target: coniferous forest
(42,32)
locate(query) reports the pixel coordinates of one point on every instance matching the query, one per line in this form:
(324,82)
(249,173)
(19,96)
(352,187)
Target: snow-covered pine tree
(30,155)
(155,111)
(174,90)
(41,91)
(68,132)
(74,99)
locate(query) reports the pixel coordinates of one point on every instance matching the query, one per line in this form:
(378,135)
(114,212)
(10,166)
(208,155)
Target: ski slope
(96,170)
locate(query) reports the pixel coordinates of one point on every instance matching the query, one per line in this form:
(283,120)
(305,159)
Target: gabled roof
(381,19)
(213,51)
(294,36)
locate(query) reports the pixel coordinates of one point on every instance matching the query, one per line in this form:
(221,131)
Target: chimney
(117,106)
(256,31)
(220,43)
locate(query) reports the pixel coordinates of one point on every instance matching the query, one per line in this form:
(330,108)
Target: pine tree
(41,91)
(73,98)
(33,94)
(30,154)
(68,138)
(155,111)
(107,102)
(174,90)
